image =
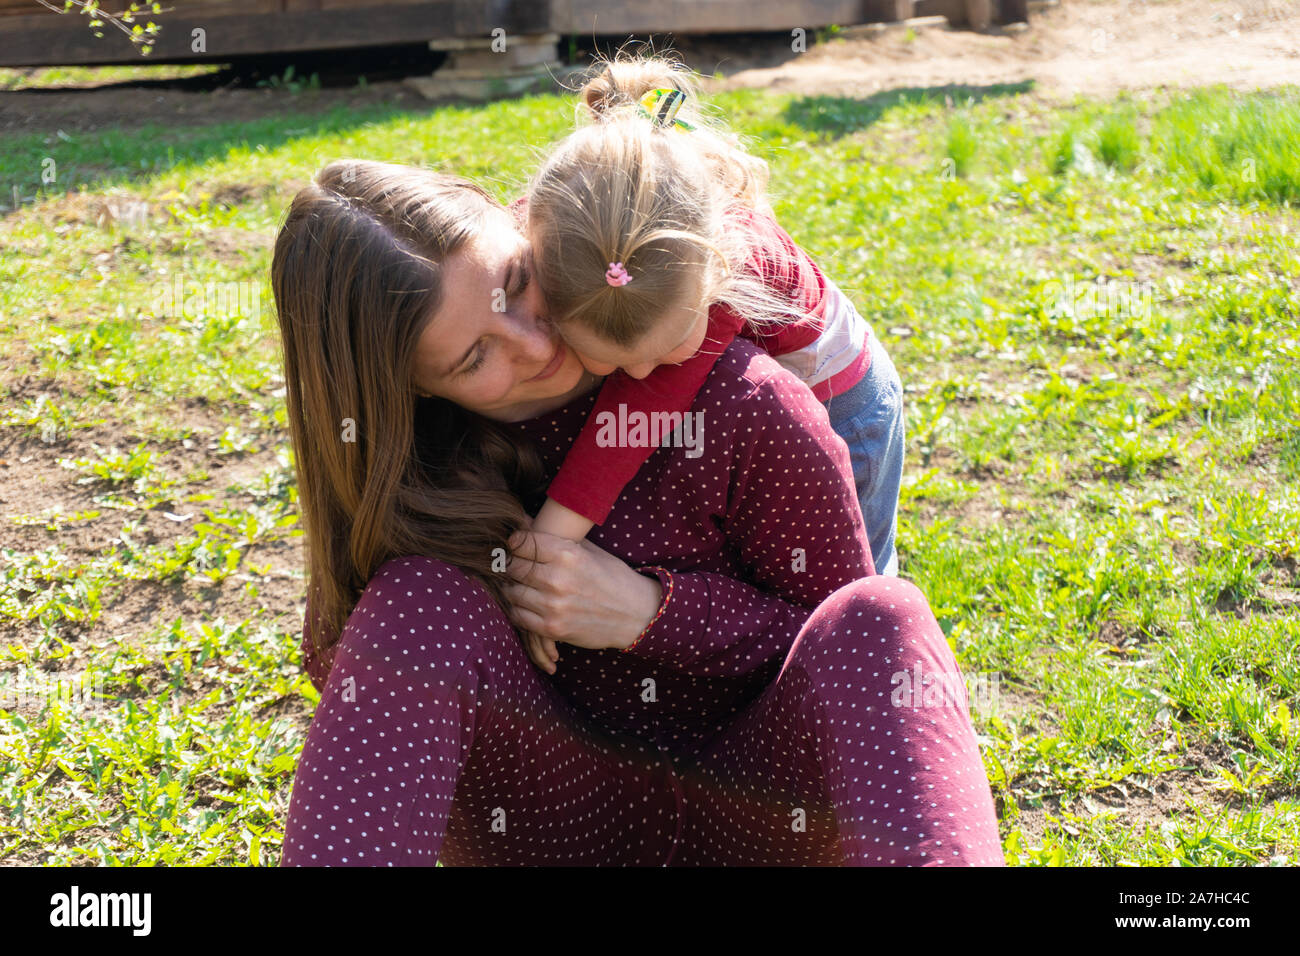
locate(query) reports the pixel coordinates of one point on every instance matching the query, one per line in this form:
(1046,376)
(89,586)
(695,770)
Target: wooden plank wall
(243,27)
(590,17)
(31,35)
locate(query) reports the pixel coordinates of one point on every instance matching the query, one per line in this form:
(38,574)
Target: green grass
(962,144)
(1097,321)
(74,76)
(1248,152)
(1118,141)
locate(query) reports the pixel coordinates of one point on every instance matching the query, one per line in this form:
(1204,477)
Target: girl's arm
(595,472)
(789,512)
(558,520)
(601,463)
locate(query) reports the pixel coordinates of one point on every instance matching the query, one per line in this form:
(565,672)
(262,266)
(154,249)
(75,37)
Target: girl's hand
(575,592)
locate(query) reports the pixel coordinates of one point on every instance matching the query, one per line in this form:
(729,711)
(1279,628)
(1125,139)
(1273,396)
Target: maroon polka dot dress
(758,722)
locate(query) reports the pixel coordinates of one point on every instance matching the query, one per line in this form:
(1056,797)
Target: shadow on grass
(837,116)
(105,158)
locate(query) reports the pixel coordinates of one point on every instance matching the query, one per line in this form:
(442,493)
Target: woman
(728,691)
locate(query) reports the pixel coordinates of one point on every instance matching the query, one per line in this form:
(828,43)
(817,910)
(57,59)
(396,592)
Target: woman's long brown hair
(382,473)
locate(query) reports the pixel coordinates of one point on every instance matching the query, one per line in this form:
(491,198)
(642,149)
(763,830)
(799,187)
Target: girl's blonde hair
(620,189)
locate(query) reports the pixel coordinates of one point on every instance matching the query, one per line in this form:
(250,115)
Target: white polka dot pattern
(753,724)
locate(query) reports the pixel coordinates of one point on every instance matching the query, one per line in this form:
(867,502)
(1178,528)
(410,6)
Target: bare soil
(33,484)
(1096,48)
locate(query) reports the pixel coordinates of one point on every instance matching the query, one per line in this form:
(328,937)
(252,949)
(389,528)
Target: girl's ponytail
(621,83)
(613,92)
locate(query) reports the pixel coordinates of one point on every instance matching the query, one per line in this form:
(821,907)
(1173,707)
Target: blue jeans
(869,417)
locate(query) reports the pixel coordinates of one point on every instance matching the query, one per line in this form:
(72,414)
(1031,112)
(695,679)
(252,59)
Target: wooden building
(219,30)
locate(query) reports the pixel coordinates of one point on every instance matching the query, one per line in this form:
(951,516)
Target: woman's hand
(576,593)
(541,650)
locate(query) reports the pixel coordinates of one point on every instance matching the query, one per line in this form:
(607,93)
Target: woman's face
(489,346)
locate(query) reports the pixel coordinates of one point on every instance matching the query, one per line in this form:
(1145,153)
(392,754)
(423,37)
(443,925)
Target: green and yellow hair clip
(660,107)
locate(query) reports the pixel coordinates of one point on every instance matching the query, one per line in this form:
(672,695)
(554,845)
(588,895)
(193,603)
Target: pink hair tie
(616,274)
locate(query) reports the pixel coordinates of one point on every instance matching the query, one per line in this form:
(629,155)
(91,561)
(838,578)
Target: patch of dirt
(233,246)
(91,109)
(33,483)
(1002,499)
(1114,633)
(1284,572)
(1139,803)
(236,194)
(1021,704)
(116,207)
(1096,48)
(1266,600)
(116,210)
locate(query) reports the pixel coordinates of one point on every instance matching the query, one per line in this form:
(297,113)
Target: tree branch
(115,19)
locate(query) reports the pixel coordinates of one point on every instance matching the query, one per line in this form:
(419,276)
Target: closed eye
(519,278)
(477,364)
(523,275)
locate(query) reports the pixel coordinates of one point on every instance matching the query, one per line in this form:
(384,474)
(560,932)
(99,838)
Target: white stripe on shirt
(843,336)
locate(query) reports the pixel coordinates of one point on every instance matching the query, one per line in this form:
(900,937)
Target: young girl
(654,247)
